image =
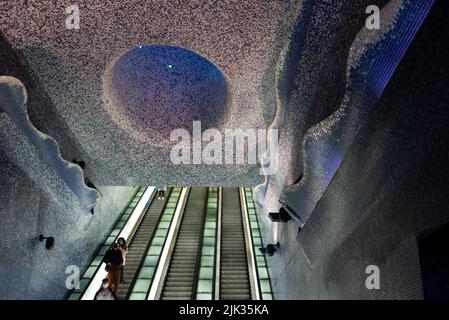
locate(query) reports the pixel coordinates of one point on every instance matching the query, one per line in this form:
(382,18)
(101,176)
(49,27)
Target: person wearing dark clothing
(161,193)
(114,260)
(124,248)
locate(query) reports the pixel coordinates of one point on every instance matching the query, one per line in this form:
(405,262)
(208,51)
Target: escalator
(180,279)
(197,243)
(234,274)
(139,242)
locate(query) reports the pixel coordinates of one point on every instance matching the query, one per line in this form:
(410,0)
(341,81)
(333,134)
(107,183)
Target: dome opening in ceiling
(156,89)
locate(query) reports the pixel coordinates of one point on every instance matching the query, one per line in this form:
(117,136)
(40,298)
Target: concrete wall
(390,190)
(27,269)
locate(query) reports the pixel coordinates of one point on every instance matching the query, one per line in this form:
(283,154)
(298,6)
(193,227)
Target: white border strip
(218,246)
(249,245)
(101,273)
(138,210)
(168,244)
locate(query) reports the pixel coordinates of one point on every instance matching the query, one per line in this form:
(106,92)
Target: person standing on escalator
(124,248)
(105,293)
(114,260)
(161,193)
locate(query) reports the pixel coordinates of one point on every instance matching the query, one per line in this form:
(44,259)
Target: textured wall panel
(30,207)
(390,189)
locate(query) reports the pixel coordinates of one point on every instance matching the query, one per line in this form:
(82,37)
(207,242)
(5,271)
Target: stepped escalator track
(181,276)
(139,243)
(234,274)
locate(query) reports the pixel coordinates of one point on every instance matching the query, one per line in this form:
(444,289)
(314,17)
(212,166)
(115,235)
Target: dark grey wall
(27,269)
(390,189)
